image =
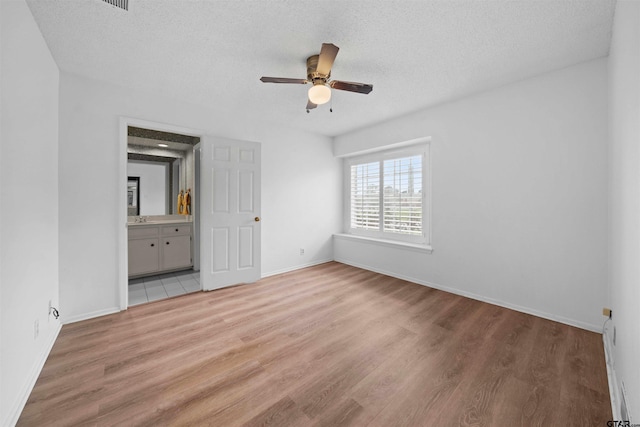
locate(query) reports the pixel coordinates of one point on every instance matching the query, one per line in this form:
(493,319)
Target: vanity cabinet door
(144,256)
(176,252)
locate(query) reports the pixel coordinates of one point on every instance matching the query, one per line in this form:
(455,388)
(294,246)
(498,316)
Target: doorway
(161,230)
(227,224)
(154,264)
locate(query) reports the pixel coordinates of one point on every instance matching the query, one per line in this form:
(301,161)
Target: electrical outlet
(36,329)
(301,251)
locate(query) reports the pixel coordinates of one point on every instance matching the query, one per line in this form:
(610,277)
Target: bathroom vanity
(159,245)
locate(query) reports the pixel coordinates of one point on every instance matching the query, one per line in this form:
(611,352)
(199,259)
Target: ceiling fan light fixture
(319,94)
(318,74)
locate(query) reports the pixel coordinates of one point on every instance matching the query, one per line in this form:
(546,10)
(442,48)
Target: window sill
(416,247)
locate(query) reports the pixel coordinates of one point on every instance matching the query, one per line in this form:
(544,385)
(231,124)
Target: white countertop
(159,220)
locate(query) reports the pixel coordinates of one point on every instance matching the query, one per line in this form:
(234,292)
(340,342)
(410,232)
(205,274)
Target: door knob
(257,219)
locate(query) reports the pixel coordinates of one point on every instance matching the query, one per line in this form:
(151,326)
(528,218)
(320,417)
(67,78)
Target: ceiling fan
(318,73)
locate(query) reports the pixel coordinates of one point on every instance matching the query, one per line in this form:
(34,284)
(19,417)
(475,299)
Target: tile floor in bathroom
(154,288)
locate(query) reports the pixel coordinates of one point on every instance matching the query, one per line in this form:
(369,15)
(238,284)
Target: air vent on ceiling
(122,4)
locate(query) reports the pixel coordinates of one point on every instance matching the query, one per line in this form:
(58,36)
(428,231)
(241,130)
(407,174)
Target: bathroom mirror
(164,164)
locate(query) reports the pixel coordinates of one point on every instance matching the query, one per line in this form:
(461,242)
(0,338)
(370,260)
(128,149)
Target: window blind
(365,196)
(386,195)
(403,195)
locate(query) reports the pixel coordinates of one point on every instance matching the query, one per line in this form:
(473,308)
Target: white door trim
(121,214)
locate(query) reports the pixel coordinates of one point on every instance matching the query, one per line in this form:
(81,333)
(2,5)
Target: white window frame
(421,148)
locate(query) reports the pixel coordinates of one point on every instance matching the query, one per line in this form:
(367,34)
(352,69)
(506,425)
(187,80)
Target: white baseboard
(614,389)
(25,392)
(527,310)
(296,267)
(93,314)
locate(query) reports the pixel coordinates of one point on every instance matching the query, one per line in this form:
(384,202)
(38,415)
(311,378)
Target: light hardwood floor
(328,345)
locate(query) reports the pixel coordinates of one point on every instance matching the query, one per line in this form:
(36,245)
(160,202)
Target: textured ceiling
(415,53)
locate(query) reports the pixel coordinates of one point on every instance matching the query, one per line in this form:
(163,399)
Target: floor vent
(122,4)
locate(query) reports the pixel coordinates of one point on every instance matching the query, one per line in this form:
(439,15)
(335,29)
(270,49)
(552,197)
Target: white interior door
(230,212)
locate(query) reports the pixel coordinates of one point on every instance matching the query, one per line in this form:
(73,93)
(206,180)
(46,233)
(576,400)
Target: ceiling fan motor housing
(312,73)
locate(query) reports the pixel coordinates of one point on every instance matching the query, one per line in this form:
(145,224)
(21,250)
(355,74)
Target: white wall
(519,187)
(29,206)
(301,199)
(624,200)
(154,178)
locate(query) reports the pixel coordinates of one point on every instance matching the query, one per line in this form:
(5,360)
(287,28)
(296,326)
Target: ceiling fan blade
(310,105)
(327,56)
(351,86)
(282,80)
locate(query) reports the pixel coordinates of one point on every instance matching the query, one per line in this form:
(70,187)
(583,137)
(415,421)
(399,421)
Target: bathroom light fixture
(319,94)
(163,145)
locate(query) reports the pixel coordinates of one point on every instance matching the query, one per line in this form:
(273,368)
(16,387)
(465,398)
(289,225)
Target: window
(387,194)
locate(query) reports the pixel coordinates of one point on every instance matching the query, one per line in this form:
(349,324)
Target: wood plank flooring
(330,345)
